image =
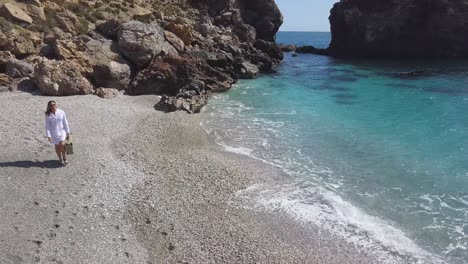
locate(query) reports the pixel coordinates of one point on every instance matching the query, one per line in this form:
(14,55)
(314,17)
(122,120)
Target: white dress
(57,126)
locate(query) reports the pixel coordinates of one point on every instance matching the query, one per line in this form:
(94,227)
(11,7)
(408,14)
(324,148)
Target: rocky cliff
(185,49)
(399,28)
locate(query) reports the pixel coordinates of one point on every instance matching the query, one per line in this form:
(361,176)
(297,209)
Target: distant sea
(377,158)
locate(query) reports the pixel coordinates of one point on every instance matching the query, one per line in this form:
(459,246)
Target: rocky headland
(399,28)
(182,49)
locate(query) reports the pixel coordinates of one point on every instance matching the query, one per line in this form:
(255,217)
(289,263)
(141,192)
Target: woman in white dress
(57,130)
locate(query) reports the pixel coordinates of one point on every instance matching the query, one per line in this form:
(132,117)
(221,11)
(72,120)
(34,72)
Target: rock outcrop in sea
(184,49)
(399,28)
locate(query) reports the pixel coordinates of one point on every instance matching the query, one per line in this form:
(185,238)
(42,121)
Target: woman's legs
(60,150)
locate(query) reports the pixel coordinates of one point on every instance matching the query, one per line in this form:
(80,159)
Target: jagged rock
(229,48)
(214,59)
(96,59)
(24,84)
(246,33)
(36,13)
(287,48)
(18,69)
(5,80)
(168,49)
(140,42)
(114,74)
(107,93)
(15,13)
(5,56)
(263,62)
(60,78)
(270,48)
(406,28)
(72,50)
(109,28)
(207,30)
(170,74)
(311,49)
(32,2)
(65,21)
(411,74)
(111,70)
(184,32)
(17,40)
(191,105)
(175,41)
(247,70)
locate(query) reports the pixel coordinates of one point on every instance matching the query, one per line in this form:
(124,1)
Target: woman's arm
(65,124)
(47,128)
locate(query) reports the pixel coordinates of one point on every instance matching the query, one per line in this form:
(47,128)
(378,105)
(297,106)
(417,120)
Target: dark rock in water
(402,85)
(344,78)
(311,50)
(447,90)
(270,48)
(404,28)
(344,96)
(411,74)
(344,102)
(288,48)
(360,75)
(329,87)
(246,70)
(294,55)
(263,62)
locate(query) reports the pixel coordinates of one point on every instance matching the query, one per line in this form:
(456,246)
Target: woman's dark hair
(49,106)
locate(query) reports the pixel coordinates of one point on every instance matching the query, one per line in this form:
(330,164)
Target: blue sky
(305,15)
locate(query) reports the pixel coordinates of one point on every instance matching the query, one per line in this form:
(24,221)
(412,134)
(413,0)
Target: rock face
(399,28)
(140,42)
(182,49)
(263,15)
(60,78)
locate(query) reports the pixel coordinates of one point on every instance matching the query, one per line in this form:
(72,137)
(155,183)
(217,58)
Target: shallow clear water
(379,159)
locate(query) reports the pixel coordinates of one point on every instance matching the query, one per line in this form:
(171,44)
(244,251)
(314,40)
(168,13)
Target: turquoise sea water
(380,160)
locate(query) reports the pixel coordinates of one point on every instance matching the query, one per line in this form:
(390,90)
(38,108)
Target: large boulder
(109,28)
(140,42)
(264,15)
(60,78)
(405,28)
(5,57)
(270,48)
(97,59)
(17,40)
(247,70)
(182,31)
(170,74)
(15,13)
(175,41)
(18,69)
(249,19)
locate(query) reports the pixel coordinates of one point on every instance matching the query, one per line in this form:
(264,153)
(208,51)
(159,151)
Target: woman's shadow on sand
(50,164)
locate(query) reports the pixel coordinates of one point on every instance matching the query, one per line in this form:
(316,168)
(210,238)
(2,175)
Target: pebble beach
(142,187)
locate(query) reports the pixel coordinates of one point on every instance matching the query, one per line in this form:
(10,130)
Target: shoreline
(188,200)
(142,187)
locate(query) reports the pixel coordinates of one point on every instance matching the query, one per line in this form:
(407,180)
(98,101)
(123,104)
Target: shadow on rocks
(51,164)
